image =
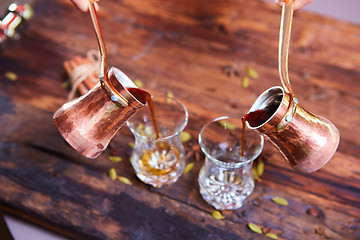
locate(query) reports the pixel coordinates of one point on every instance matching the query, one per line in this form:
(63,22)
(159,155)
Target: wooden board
(199,50)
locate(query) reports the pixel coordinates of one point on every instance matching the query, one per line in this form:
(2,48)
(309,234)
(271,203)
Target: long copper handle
(284,43)
(109,88)
(99,38)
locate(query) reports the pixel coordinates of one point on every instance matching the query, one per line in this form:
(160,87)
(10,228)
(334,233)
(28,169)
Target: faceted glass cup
(159,161)
(226,179)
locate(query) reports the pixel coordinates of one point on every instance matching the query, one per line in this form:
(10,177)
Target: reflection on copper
(91,121)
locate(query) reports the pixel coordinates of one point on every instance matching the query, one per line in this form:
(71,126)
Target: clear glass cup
(159,161)
(226,179)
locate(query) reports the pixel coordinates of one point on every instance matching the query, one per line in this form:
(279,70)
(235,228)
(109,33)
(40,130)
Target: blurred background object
(13,18)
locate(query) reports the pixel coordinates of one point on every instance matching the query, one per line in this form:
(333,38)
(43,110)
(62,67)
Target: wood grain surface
(200,51)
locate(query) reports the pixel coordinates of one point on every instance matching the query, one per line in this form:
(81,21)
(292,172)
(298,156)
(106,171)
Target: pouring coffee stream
(306,141)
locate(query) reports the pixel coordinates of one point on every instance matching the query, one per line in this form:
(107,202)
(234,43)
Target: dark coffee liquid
(167,155)
(256,118)
(145,97)
(243,120)
(153,116)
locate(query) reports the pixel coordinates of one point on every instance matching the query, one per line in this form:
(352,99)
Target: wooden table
(198,50)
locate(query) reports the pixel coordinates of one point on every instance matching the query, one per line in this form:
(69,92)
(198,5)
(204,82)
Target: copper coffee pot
(306,141)
(91,121)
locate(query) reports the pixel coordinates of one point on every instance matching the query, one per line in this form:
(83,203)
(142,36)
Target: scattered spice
(217,215)
(231,70)
(148,131)
(252,73)
(169,95)
(272,235)
(130,159)
(66,84)
(185,136)
(11,76)
(245,82)
(188,167)
(227,125)
(140,128)
(131,144)
(115,159)
(112,174)
(313,212)
(255,228)
(260,168)
(124,180)
(138,83)
(280,201)
(255,173)
(236,69)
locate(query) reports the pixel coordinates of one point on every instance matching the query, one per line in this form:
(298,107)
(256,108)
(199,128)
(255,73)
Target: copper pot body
(306,141)
(91,121)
